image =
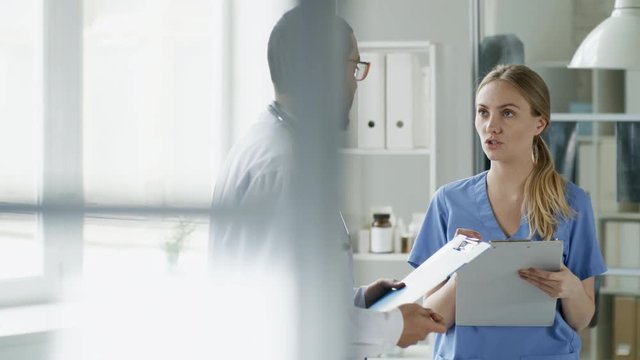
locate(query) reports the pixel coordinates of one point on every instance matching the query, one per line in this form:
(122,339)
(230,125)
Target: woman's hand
(561,284)
(576,296)
(468,233)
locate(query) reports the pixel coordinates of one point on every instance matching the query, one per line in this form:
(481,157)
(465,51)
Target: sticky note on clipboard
(444,262)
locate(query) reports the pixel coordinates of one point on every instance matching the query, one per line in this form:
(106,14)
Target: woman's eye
(508,113)
(482,112)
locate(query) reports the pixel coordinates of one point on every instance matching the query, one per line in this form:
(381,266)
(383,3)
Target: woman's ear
(542,123)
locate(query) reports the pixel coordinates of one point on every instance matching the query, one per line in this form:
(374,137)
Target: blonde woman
(521,196)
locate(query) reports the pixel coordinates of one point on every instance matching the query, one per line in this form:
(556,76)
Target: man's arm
(404,326)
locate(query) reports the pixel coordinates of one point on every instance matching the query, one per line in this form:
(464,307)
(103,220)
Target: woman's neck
(508,179)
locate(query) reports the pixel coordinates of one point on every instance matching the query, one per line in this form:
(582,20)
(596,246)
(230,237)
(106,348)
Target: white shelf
(612,290)
(620,216)
(589,139)
(390,46)
(355,151)
(401,257)
(598,117)
(622,271)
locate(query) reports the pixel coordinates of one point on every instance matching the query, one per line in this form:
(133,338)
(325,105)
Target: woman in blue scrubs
(521,196)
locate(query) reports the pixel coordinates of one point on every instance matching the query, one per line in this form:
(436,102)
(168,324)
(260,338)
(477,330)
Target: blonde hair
(544,188)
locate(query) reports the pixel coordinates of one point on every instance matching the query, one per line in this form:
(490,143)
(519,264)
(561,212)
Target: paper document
(433,271)
(489,291)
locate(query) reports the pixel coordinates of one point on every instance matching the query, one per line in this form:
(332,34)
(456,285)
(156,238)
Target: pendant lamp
(615,43)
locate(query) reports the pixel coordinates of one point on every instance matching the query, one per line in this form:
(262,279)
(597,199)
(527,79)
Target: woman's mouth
(493,144)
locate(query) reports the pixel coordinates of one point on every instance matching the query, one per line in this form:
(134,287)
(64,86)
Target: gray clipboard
(489,291)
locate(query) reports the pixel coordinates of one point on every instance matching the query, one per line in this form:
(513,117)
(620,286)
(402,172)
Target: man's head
(298,44)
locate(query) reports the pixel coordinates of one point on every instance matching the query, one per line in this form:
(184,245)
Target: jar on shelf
(406,242)
(381,233)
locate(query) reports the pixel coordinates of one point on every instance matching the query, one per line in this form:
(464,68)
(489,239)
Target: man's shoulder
(266,139)
(258,162)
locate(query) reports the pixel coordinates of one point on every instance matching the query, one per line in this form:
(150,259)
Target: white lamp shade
(615,43)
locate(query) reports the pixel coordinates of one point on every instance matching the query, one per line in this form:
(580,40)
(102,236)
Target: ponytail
(544,194)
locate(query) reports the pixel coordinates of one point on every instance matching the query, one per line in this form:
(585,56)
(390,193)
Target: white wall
(401,182)
(544,26)
(632,91)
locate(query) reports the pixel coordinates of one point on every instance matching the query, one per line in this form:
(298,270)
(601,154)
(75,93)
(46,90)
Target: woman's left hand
(557,284)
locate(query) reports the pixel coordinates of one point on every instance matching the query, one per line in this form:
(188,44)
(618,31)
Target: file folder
(371,104)
(400,100)
(424,109)
(455,254)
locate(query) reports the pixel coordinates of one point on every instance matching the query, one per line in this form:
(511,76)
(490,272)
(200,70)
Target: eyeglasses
(362,69)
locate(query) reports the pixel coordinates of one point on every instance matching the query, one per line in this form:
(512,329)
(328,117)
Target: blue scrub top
(465,204)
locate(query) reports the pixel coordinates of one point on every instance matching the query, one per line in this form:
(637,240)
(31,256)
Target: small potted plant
(179,236)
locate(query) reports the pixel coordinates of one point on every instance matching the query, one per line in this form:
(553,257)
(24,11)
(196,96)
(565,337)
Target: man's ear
(541,125)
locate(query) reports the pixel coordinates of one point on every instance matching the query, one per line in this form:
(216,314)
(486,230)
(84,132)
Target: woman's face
(505,123)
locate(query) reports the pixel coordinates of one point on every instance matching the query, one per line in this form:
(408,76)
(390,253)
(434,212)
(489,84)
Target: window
(150,110)
(115,116)
(21,247)
(94,187)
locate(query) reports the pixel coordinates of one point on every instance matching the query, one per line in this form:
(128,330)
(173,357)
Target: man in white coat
(258,170)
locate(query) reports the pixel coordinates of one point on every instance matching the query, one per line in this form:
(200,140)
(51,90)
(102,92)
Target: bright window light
(148,102)
(21,248)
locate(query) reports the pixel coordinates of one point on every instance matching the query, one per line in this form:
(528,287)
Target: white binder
(371,104)
(424,109)
(400,100)
(433,271)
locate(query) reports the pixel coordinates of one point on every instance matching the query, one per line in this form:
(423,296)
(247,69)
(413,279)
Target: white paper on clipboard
(457,252)
(489,292)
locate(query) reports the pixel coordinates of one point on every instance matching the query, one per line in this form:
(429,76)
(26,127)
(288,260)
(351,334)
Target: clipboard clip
(466,244)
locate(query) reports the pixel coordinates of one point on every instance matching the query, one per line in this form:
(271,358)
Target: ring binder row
(393,105)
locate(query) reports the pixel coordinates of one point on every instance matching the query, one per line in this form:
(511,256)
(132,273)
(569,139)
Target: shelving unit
(401,178)
(600,183)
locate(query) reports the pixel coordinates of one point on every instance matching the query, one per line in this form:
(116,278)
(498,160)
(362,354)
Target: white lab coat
(259,166)
(251,181)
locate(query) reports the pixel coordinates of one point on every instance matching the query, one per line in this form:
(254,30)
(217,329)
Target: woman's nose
(493,125)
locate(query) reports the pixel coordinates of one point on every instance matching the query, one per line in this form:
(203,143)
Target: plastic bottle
(381,234)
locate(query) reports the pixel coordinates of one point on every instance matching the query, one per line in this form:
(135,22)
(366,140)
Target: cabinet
(618,231)
(382,165)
